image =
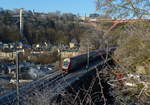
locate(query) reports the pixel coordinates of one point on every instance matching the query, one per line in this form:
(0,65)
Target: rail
(10,98)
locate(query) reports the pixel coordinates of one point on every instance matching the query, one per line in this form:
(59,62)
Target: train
(73,63)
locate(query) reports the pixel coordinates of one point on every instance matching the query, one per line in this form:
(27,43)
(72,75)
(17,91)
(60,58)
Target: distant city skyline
(80,7)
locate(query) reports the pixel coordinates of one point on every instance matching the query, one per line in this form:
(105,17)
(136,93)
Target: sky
(65,6)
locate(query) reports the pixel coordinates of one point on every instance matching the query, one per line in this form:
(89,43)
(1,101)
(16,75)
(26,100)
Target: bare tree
(124,8)
(93,39)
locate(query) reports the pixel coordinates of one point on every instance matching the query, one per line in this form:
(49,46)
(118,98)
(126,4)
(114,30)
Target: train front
(66,64)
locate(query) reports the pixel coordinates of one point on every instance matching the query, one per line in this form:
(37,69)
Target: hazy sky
(73,6)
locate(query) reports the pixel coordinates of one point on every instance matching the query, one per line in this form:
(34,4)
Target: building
(8,55)
(73,44)
(69,53)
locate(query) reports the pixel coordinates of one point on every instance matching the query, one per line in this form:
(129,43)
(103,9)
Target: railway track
(29,88)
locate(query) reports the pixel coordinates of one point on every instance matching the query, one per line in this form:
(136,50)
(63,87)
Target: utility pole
(60,61)
(17,77)
(21,22)
(88,56)
(22,37)
(85,17)
(17,58)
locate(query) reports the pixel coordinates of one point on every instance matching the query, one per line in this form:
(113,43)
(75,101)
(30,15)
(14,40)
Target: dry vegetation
(132,57)
(134,45)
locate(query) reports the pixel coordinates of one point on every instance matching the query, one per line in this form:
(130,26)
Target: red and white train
(73,63)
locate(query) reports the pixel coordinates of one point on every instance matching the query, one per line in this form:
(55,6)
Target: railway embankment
(92,88)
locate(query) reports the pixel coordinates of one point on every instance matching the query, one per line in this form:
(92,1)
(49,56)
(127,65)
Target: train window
(66,62)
